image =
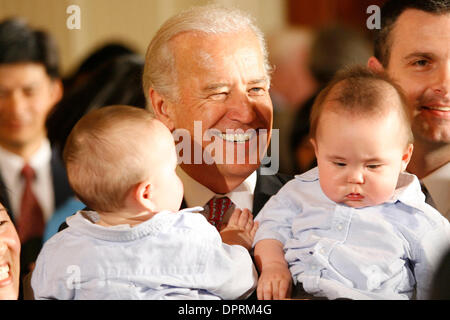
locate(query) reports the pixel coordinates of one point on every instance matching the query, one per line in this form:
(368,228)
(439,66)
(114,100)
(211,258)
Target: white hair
(159,70)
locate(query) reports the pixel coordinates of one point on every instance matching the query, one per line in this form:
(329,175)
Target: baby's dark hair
(360,91)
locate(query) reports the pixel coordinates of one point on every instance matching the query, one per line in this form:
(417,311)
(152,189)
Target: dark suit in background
(62,192)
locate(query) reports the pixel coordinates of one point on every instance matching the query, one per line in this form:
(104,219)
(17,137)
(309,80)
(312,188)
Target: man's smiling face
(420,63)
(222,82)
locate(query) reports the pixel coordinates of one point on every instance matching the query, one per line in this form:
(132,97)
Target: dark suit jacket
(63,192)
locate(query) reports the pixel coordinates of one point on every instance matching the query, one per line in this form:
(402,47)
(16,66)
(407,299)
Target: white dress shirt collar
(196,194)
(10,168)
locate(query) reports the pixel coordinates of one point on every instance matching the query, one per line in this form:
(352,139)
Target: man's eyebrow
(214,86)
(30,85)
(258,81)
(421,54)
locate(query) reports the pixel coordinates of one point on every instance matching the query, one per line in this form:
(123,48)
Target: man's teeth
(4,272)
(438,108)
(236,137)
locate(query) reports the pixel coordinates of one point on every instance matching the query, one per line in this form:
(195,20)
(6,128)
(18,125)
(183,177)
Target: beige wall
(132,21)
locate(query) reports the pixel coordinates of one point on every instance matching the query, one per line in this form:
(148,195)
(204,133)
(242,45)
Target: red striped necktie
(217,209)
(31,220)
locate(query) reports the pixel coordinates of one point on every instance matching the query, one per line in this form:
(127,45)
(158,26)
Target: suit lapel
(266,187)
(61,186)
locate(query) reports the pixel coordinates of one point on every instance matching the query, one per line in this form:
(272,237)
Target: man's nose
(442,84)
(15,102)
(355,176)
(3,248)
(241,108)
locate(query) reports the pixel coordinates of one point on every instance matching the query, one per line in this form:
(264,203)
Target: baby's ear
(143,195)
(314,144)
(406,157)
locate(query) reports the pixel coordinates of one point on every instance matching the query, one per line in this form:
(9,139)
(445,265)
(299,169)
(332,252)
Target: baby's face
(360,159)
(167,188)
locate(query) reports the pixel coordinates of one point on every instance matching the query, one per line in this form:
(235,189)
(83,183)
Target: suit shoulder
(276,179)
(284,178)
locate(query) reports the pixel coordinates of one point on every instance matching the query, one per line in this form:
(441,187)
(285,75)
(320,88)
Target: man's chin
(433,135)
(14,142)
(237,170)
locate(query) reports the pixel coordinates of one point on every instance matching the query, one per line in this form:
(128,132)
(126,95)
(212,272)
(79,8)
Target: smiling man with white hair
(207,71)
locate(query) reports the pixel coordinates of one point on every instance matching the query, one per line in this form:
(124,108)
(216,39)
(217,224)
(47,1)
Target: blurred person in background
(413,47)
(31,170)
(335,47)
(93,62)
(292,82)
(116,82)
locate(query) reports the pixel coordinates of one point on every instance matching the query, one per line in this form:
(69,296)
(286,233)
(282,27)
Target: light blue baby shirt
(171,256)
(380,252)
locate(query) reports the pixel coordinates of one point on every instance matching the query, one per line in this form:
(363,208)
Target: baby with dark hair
(356,226)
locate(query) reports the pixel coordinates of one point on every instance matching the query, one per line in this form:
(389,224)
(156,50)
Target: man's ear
(407,156)
(375,65)
(56,93)
(57,90)
(160,108)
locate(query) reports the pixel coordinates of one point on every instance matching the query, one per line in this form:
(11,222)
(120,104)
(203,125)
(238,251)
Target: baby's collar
(408,191)
(309,176)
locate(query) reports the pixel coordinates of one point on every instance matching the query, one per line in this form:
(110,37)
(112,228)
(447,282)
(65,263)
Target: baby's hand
(275,283)
(240,229)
